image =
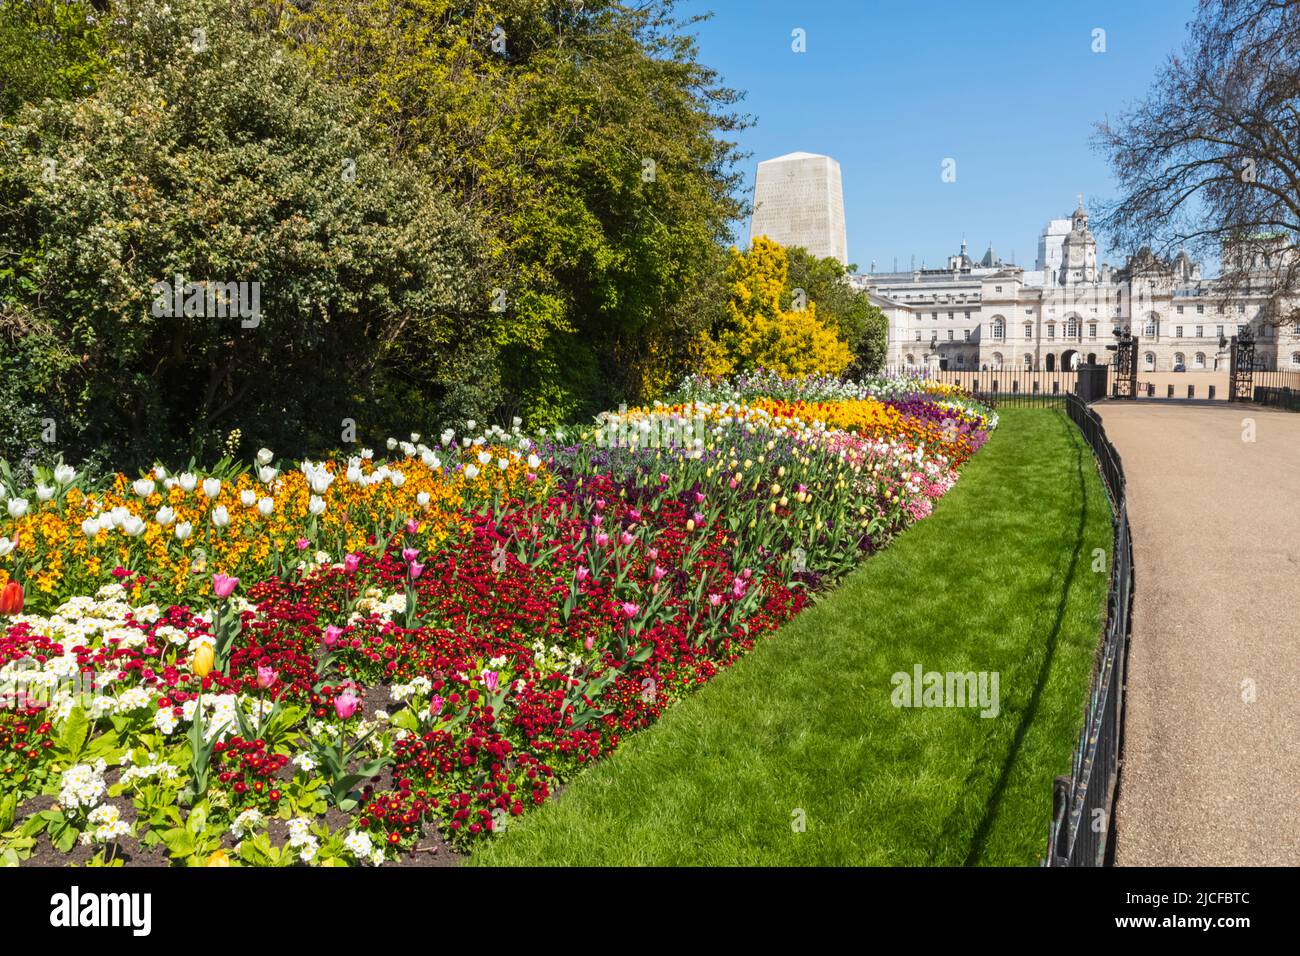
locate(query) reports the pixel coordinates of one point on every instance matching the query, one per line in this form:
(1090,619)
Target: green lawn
(999,579)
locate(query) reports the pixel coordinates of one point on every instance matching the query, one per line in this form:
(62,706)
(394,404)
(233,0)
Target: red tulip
(11,599)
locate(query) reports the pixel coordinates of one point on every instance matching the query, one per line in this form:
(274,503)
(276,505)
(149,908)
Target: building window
(1071,328)
(1029,360)
(1180,359)
(918,335)
(934,315)
(1051,330)
(999,328)
(1295,359)
(1180,310)
(1178,331)
(1220,332)
(965,335)
(1200,331)
(1220,309)
(1092,330)
(1029,330)
(997,288)
(1149,360)
(968,313)
(1241,308)
(996,361)
(1200,309)
(1150,328)
(950,335)
(1199,360)
(949,316)
(1240,329)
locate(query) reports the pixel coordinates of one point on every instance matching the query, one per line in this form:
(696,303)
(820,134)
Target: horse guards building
(989,314)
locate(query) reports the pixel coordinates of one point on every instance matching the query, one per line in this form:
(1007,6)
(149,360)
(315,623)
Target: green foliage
(48,48)
(211,153)
(590,143)
(862,325)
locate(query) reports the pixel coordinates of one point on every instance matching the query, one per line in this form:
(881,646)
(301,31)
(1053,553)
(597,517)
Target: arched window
(1149,361)
(911,360)
(999,327)
(1295,359)
(1198,361)
(1071,328)
(1152,328)
(997,360)
(1180,359)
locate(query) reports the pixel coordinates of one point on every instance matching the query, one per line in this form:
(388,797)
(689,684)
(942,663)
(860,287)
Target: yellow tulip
(203,661)
(218,859)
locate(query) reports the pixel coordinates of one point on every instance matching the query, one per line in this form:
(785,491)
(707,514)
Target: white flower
(143,487)
(367,453)
(246,824)
(212,487)
(109,824)
(534,462)
(188,482)
(359,845)
(265,456)
(89,527)
(183,530)
(471,424)
(248,497)
(266,475)
(397,478)
(316,505)
(6,546)
(165,516)
(44,492)
(265,506)
(503,463)
(159,472)
(82,785)
(391,443)
(422,499)
(133,527)
(165,720)
(471,471)
(17,507)
(484,457)
(305,762)
(220,516)
(64,474)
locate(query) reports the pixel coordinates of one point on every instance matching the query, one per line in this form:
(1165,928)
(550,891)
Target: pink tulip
(331,635)
(303,544)
(652,554)
(658,572)
(530,477)
(345,704)
(266,676)
(410,554)
(597,520)
(224,585)
(412,526)
(747,573)
(732,484)
(699,497)
(663,478)
(491,680)
(715,599)
(625,539)
(351,562)
(697,518)
(630,610)
(435,704)
(581,572)
(590,642)
(416,570)
(801,489)
(602,539)
(600,504)
(634,515)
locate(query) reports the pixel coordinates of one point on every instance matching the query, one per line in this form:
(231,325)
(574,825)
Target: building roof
(794,156)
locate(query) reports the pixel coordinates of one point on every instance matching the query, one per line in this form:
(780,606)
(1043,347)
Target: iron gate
(1125,364)
(1241,366)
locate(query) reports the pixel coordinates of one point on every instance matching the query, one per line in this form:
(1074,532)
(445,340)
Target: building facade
(991,315)
(799,201)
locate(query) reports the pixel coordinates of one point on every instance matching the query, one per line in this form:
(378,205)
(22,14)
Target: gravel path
(1212,734)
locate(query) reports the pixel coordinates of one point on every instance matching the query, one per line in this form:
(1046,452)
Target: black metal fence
(1083,803)
(1009,385)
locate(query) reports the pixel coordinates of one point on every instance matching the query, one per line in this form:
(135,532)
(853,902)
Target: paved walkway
(1212,746)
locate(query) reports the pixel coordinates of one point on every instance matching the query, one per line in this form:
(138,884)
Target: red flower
(11,599)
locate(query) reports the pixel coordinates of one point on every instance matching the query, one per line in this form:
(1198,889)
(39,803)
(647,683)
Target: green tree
(210,153)
(592,145)
(48,48)
(825,282)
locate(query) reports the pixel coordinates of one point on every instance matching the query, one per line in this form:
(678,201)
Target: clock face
(1076,255)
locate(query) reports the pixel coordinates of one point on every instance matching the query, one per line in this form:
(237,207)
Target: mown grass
(1001,578)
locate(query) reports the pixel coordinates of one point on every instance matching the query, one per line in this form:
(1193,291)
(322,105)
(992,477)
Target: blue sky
(1009,89)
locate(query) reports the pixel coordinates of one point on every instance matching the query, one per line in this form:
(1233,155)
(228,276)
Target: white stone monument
(799,201)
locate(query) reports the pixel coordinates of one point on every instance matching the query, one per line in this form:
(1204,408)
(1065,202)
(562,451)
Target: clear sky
(1010,89)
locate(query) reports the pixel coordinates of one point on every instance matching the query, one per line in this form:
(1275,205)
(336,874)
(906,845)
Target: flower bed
(338,662)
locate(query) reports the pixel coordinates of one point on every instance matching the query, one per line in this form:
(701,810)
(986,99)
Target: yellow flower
(203,661)
(218,858)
